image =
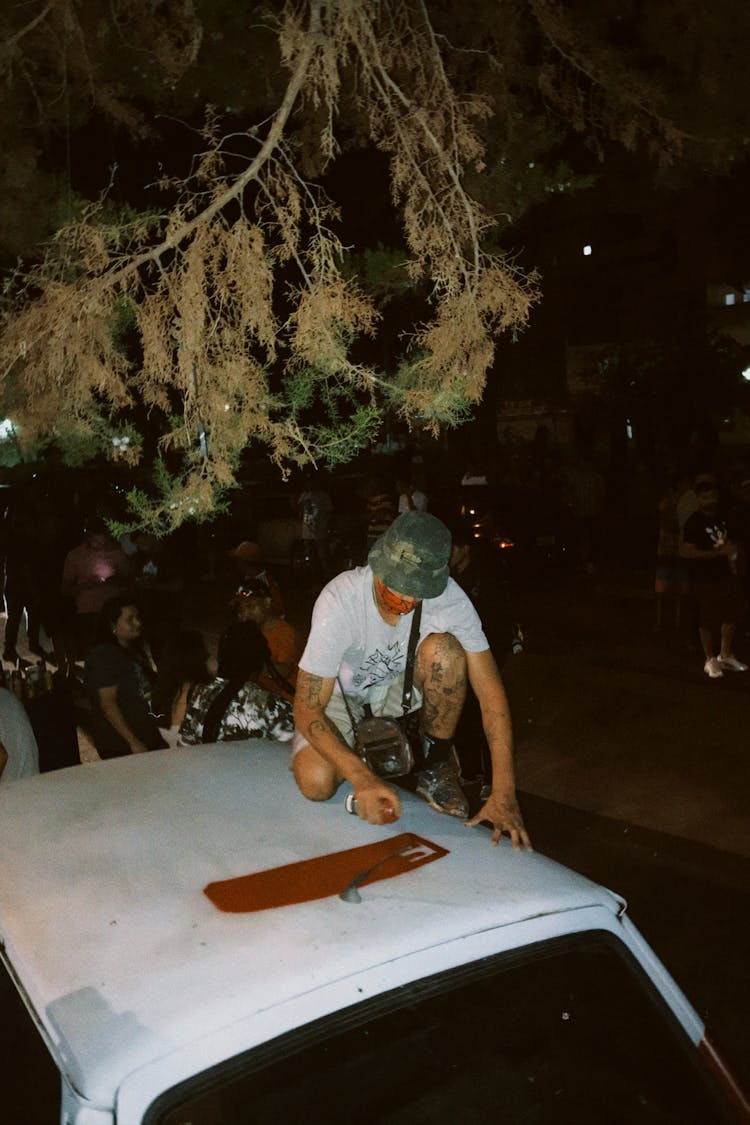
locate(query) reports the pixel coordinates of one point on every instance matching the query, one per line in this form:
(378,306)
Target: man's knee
(441,678)
(316,779)
(441,651)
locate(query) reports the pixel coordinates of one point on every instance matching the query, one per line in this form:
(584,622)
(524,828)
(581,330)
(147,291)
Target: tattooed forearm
(497,727)
(323,725)
(309,689)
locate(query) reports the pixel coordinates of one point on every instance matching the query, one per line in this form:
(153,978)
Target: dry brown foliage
(202,281)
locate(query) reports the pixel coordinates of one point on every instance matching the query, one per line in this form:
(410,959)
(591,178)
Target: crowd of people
(426,604)
(142,689)
(136,689)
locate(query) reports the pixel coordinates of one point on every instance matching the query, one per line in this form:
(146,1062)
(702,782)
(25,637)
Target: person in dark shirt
(118,679)
(710,546)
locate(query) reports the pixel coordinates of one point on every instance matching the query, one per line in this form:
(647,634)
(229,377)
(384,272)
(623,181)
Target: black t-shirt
(112,665)
(707,531)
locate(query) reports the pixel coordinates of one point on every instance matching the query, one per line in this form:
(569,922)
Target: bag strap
(410,655)
(411,652)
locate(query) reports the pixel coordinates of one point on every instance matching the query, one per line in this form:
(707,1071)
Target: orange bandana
(394,602)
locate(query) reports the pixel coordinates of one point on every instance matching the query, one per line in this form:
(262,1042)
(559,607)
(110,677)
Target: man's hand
(504,815)
(377,803)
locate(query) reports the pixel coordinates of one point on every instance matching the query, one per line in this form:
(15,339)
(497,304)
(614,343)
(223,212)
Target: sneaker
(439,786)
(712,668)
(732,663)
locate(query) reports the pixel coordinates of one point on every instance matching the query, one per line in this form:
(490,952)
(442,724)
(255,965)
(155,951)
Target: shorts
(671,574)
(719,603)
(385,700)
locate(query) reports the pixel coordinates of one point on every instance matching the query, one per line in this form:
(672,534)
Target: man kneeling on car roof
(373,629)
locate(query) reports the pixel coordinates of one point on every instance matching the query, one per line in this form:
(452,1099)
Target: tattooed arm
(374,798)
(501,808)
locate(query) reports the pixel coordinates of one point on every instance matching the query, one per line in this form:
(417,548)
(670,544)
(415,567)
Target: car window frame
(294,1042)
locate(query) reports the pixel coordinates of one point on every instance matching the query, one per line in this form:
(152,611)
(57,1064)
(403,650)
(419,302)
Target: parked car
(192,941)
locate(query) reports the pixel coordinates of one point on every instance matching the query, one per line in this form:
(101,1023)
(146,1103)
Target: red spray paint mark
(323,876)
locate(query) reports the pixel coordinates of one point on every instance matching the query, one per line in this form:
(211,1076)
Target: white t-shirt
(349,639)
(419,498)
(18,739)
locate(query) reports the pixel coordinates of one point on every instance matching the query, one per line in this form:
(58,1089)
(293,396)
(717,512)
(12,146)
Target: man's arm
(372,795)
(3,758)
(501,807)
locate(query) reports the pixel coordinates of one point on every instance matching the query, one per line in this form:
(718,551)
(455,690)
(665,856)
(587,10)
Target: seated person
(234,705)
(183,664)
(118,679)
(254,603)
(251,565)
(19,756)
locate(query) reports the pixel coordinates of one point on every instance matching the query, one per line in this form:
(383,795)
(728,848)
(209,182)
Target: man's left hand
(504,815)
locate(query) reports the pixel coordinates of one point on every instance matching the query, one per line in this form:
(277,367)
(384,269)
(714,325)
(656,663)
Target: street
(632,769)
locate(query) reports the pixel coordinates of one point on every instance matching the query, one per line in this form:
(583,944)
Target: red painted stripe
(323,876)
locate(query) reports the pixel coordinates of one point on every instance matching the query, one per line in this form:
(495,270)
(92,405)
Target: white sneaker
(732,663)
(712,668)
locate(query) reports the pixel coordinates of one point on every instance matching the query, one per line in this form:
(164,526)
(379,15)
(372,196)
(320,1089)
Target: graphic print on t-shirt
(717,533)
(380,667)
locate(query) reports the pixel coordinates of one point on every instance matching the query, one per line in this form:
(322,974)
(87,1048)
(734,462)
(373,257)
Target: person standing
(316,507)
(709,544)
(93,572)
(410,499)
(380,508)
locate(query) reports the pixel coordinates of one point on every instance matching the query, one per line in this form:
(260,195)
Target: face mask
(392,601)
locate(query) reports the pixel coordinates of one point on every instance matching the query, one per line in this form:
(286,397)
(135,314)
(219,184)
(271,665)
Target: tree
(231,314)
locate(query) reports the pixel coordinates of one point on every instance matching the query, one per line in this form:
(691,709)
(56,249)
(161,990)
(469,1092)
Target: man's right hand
(377,803)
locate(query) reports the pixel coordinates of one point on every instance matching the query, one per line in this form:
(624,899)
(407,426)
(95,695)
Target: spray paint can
(350,804)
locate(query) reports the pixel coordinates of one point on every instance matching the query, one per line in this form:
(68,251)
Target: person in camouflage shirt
(234,706)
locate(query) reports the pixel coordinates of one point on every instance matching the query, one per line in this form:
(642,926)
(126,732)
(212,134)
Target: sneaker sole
(439,808)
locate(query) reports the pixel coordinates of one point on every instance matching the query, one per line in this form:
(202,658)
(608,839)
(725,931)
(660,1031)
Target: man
(250,564)
(316,508)
(358,644)
(410,498)
(709,545)
(255,603)
(93,572)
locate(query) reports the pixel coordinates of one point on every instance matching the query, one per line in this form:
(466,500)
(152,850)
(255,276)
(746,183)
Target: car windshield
(568,1033)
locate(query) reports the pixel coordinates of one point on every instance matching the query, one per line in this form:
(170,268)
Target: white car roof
(123,957)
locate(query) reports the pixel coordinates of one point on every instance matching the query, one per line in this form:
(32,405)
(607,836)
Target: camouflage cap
(412,555)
